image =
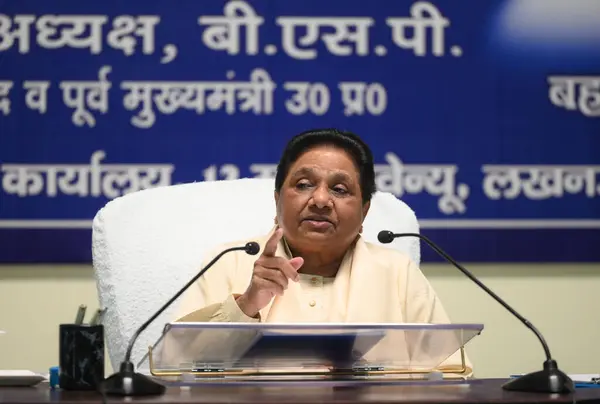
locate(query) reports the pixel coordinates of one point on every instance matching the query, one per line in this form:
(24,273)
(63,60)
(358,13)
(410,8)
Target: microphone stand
(128,382)
(548,380)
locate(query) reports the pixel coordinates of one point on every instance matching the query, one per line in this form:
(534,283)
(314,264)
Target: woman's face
(320,203)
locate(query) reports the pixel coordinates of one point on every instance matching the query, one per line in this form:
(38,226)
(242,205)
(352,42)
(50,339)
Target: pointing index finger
(271,246)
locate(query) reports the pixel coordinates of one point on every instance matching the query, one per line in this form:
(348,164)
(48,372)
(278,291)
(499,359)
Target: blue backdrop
(484,116)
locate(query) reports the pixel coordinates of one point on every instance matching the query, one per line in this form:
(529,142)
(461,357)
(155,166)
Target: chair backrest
(148,244)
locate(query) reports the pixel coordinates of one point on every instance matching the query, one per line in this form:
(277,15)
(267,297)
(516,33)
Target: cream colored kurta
(374,284)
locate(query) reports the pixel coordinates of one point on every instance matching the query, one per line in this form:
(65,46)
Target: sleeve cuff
(231,312)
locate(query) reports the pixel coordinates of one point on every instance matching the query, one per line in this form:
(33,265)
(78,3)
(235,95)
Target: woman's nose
(321,197)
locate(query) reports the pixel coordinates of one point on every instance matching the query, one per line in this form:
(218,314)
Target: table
(475,391)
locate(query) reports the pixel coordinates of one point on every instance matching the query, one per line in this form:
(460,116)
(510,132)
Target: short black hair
(351,143)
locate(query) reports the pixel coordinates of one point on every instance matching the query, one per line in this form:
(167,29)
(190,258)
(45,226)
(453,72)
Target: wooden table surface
(475,391)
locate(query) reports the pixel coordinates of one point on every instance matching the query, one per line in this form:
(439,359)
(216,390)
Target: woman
(314,266)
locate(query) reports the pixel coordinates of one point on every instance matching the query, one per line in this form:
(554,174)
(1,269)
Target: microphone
(127,382)
(548,380)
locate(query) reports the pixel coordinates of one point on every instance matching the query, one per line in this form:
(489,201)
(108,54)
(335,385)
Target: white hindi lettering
(10,34)
(36,95)
(354,30)
(223,32)
(80,95)
(257,95)
(263,170)
(226,172)
(288,36)
(22,180)
(140,92)
(232,172)
(53,31)
(394,177)
(589,98)
(5,87)
(58,31)
(563,93)
(223,93)
(83,180)
(424,15)
(501,181)
(359,97)
(254,96)
(540,182)
(313,97)
(125,30)
(347,30)
(437,180)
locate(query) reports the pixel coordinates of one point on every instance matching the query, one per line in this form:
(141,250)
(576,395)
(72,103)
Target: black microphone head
(385,236)
(252,248)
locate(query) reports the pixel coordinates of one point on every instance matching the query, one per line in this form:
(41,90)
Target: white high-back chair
(148,244)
